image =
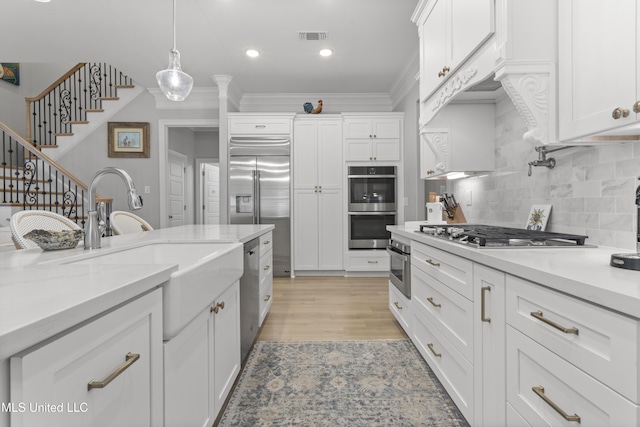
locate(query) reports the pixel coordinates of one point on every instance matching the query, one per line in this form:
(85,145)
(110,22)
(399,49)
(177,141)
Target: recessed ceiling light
(252,53)
(326,52)
(43,1)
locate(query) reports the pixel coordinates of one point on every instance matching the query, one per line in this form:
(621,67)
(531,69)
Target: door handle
(130,359)
(483,316)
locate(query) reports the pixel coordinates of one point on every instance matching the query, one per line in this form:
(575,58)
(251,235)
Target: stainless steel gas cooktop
(490,236)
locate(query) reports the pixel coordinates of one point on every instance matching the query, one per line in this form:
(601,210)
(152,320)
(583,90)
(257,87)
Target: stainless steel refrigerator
(259,191)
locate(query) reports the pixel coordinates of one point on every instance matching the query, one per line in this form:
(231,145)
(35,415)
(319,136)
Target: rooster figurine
(308,107)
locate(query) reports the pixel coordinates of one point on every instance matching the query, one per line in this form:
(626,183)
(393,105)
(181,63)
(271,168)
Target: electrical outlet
(469,198)
(147,189)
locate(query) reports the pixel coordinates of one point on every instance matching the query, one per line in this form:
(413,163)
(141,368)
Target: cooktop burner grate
(482,235)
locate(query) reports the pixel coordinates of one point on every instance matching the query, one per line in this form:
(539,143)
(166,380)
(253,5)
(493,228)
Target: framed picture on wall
(538,217)
(128,139)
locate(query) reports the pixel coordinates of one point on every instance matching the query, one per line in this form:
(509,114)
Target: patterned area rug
(339,383)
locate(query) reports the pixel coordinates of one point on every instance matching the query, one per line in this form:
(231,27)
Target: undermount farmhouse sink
(205,270)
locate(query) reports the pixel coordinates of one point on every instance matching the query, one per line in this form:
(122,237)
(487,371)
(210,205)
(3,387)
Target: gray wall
(591,189)
(413,186)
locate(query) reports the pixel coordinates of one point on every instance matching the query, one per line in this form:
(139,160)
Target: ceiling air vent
(312,35)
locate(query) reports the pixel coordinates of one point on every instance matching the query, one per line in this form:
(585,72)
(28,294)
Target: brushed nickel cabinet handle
(260,126)
(538,315)
(432,262)
(398,306)
(636,107)
(266,242)
(217,307)
(267,298)
(372,262)
(539,390)
(267,267)
(483,301)
(433,351)
(430,299)
(619,113)
(129,360)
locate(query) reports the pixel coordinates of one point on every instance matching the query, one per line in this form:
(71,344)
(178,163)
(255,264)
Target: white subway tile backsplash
(591,189)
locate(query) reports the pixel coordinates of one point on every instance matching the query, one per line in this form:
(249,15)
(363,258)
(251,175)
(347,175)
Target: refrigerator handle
(256,205)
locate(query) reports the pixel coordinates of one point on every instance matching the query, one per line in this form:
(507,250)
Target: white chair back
(123,222)
(24,221)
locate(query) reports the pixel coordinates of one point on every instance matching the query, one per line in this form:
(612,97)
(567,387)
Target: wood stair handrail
(56,83)
(49,160)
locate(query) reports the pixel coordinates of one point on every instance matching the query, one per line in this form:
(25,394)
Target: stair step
(61,134)
(94,110)
(125,86)
(109,98)
(44,205)
(79,122)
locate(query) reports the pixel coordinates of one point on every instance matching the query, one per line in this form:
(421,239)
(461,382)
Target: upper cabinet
(260,124)
(598,68)
(372,137)
(450,31)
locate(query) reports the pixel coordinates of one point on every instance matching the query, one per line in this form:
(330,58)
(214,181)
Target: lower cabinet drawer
(449,311)
(546,390)
(452,369)
(368,261)
(597,340)
(259,126)
(266,265)
(107,372)
(266,298)
(452,270)
(400,307)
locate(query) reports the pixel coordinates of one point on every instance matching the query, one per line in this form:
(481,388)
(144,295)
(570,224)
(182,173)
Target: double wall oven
(372,205)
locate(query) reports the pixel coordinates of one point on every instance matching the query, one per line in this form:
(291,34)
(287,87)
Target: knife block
(458,216)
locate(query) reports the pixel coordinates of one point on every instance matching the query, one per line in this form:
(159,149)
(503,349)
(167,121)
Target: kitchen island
(44,298)
(525,336)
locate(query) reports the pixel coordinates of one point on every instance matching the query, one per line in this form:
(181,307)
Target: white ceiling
(373,40)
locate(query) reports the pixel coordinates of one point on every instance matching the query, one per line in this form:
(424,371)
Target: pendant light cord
(174,25)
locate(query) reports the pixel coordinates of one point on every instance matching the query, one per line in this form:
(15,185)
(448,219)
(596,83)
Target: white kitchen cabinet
(318,205)
(372,138)
(400,307)
(450,31)
(260,124)
(265,275)
(107,372)
(202,362)
(489,346)
(367,261)
(461,138)
(599,66)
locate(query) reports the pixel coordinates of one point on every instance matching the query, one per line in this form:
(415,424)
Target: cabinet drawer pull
(636,107)
(539,390)
(260,126)
(266,242)
(433,351)
(266,267)
(267,298)
(432,262)
(398,306)
(619,113)
(538,315)
(372,262)
(483,300)
(130,359)
(217,307)
(430,299)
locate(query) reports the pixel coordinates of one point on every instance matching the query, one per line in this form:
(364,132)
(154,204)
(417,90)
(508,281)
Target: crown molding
(200,98)
(407,80)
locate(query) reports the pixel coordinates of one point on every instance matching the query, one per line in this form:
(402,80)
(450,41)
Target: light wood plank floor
(330,309)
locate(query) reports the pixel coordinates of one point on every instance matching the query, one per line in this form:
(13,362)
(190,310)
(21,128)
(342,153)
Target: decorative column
(223,96)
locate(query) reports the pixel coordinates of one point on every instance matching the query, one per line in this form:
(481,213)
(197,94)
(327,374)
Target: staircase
(58,119)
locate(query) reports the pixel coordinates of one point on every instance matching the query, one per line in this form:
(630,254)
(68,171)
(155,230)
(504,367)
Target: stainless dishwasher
(249,298)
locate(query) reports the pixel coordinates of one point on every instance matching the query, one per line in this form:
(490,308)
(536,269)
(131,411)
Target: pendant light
(173,82)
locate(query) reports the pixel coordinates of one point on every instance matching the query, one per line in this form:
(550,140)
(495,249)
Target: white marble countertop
(583,272)
(40,298)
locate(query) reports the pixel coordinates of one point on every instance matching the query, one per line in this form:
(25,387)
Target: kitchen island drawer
(452,369)
(367,260)
(266,243)
(266,299)
(266,266)
(107,372)
(449,311)
(599,341)
(400,307)
(546,390)
(452,270)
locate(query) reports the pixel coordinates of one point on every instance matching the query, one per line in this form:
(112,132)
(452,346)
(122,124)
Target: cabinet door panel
(434,48)
(357,128)
(471,24)
(358,149)
(330,230)
(598,44)
(386,149)
(305,155)
(226,337)
(386,128)
(329,155)
(305,236)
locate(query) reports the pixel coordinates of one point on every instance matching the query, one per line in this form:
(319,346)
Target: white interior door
(176,186)
(211,193)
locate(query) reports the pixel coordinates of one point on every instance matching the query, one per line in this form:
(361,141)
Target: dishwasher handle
(395,253)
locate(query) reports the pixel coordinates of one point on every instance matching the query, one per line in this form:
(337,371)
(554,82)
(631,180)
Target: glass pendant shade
(173,82)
